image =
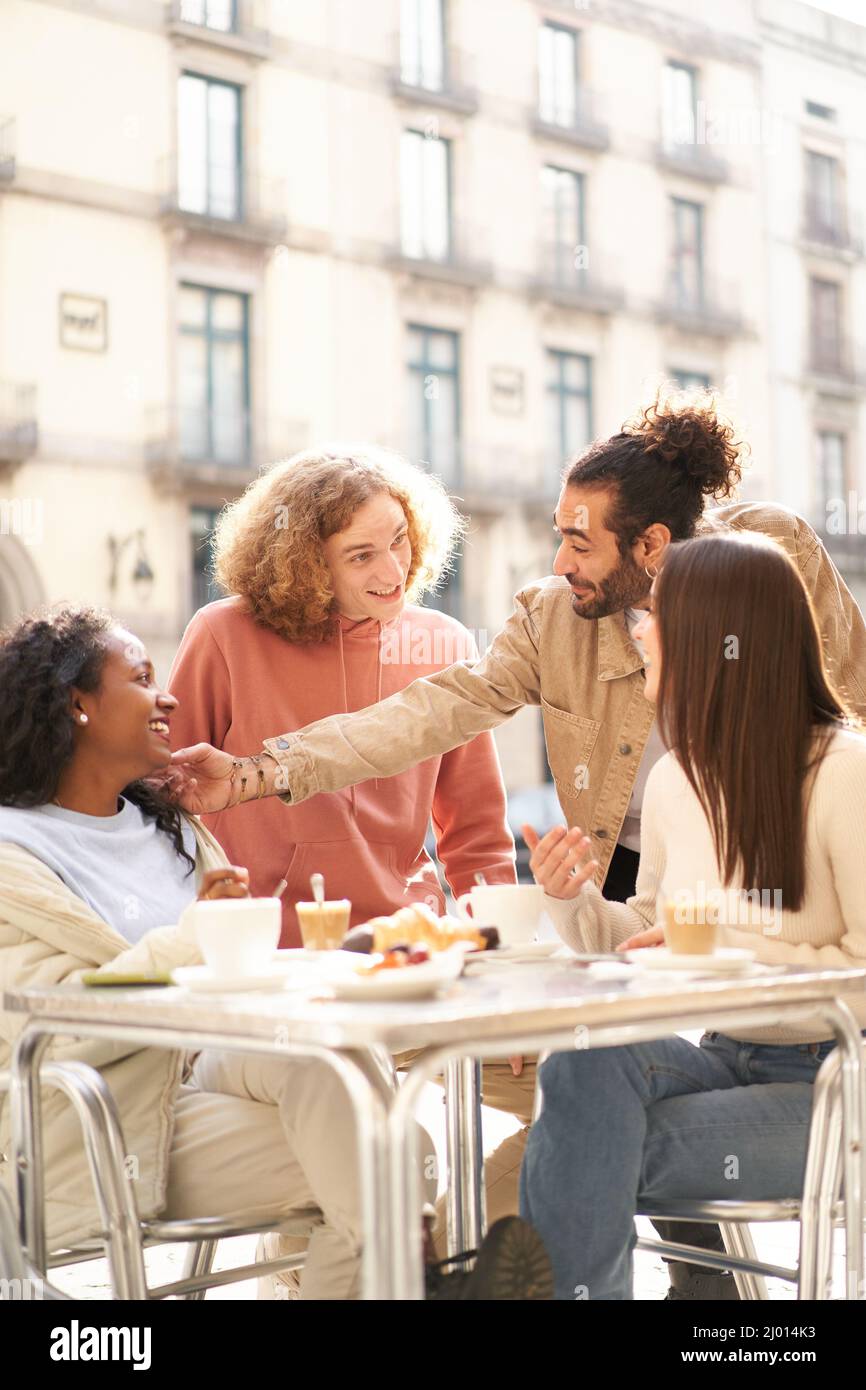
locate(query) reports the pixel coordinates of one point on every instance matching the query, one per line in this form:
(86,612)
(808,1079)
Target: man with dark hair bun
(621,505)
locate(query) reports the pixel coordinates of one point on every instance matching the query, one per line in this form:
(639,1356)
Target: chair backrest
(12,1273)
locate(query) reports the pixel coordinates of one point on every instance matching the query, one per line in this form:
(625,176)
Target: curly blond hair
(268,543)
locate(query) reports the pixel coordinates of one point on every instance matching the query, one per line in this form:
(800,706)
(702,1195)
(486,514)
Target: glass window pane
(193,396)
(435,193)
(412,193)
(229,397)
(192,144)
(442,351)
(576,424)
(443,428)
(227,312)
(564,68)
(679,104)
(193,307)
(223,150)
(192,11)
(220,15)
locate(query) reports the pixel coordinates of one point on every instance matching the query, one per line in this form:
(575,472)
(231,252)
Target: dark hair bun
(690,433)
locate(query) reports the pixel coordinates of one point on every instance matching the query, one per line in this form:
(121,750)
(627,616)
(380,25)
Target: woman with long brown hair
(758,810)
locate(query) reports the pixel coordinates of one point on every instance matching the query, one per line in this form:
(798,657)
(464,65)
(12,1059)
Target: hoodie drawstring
(345,697)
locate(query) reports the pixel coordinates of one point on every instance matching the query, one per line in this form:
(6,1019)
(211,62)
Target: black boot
(512,1265)
(697,1282)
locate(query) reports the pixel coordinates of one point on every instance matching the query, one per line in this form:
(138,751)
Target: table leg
(850,1044)
(465,1199)
(25,1108)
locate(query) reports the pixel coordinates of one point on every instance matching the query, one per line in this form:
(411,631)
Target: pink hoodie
(239,682)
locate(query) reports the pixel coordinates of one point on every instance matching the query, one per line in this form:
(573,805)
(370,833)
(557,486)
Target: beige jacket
(49,936)
(587,676)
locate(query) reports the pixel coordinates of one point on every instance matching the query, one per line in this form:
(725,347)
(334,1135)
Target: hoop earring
(651,572)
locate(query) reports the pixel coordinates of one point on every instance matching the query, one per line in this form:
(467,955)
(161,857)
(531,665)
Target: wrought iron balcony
(226,201)
(579,121)
(457,255)
(694,159)
(569,275)
(446,83)
(486,478)
(235,24)
(837,361)
(829,225)
(19,432)
(193,446)
(706,308)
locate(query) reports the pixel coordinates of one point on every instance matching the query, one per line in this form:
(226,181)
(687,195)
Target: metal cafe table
(493,1011)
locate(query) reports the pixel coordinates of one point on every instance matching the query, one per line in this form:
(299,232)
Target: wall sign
(506,390)
(83,322)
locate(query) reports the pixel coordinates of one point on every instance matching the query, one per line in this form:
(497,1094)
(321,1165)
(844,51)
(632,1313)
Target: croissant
(411,925)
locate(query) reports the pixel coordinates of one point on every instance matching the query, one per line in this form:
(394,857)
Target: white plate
(407,982)
(202,979)
(528,951)
(726,961)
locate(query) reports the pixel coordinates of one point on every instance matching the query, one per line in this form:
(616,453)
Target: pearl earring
(82,719)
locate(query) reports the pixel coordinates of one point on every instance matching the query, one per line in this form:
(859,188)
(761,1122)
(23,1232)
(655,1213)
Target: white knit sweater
(829,929)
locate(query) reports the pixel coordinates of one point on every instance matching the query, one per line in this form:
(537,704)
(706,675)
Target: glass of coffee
(324,925)
(691,926)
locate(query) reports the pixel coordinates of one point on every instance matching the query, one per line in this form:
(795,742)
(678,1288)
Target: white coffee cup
(238,936)
(515,909)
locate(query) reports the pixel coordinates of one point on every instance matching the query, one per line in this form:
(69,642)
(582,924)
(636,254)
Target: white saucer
(526,951)
(726,961)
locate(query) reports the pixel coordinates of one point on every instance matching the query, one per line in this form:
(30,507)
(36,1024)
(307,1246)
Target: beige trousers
(257,1134)
(501,1090)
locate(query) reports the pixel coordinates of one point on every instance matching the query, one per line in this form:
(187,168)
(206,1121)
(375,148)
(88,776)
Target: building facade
(477,231)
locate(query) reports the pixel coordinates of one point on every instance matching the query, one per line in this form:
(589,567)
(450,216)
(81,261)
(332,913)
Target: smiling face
(647,633)
(369,561)
(602,579)
(128,717)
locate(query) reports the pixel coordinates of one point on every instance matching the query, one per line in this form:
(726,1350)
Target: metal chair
(818,1209)
(124,1236)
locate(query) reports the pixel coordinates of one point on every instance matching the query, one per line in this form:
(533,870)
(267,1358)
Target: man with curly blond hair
(324,558)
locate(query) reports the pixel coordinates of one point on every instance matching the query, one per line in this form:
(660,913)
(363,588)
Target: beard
(624,587)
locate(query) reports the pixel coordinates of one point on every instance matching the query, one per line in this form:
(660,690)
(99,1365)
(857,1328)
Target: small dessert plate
(726,961)
(204,981)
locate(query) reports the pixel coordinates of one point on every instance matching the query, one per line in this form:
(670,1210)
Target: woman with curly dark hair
(97,871)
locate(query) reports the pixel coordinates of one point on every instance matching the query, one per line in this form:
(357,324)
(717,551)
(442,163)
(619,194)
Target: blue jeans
(658,1121)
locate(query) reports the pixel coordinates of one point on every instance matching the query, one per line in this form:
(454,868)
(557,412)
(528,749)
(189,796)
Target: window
(434,400)
(213,14)
(214,376)
(679,105)
(832,482)
(422,44)
(688,265)
(689,381)
(826,113)
(425,205)
(209,147)
(823,201)
(562,194)
(449,596)
(557,75)
(569,397)
(826,318)
(205,589)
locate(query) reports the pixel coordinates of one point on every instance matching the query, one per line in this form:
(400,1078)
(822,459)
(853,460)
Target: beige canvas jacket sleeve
(587,676)
(429,717)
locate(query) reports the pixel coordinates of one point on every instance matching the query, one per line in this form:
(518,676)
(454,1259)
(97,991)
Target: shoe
(692,1283)
(512,1265)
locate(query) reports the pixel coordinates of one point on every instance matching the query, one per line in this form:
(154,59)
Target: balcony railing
(447,83)
(19,433)
(490,478)
(231,201)
(830,226)
(837,360)
(7,149)
(238,24)
(196,446)
(707,308)
(458,257)
(580,120)
(566,274)
(693,159)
